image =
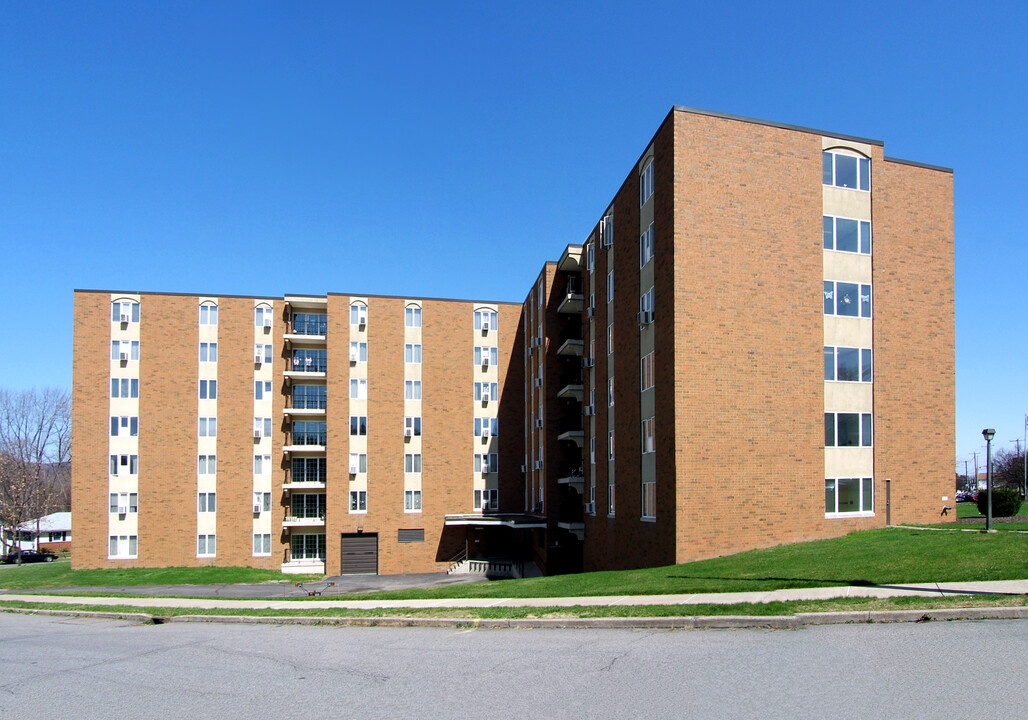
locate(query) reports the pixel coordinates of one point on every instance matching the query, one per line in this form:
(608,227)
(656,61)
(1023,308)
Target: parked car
(966,496)
(29,556)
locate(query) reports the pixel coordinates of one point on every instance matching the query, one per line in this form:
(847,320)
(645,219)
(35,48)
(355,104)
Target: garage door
(359,554)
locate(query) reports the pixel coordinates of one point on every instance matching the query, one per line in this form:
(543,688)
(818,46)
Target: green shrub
(1005,502)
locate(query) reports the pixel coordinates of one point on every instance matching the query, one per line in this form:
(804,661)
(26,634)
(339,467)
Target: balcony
(571,259)
(306,366)
(303,485)
(305,442)
(575,528)
(305,405)
(572,347)
(575,477)
(575,436)
(292,521)
(304,566)
(571,390)
(573,299)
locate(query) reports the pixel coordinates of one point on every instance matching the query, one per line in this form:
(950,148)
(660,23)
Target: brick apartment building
(657,397)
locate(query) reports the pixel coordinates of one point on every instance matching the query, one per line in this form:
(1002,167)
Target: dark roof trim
(174,294)
(283,297)
(913,163)
(415,297)
(784,126)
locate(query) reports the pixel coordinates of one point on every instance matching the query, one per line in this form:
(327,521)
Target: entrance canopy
(511,520)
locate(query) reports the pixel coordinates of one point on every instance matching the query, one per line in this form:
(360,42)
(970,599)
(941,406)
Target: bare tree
(35,455)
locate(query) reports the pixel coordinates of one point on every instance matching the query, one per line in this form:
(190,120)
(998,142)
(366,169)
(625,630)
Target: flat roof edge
(784,126)
(914,163)
(290,295)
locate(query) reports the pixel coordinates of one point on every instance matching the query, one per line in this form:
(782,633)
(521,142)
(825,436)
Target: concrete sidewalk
(1003,587)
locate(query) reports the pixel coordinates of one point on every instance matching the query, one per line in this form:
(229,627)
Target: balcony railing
(310,325)
(309,438)
(307,403)
(308,364)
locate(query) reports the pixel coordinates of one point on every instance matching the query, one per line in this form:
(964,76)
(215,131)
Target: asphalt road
(59,667)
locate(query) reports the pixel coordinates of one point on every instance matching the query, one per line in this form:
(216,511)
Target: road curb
(726,622)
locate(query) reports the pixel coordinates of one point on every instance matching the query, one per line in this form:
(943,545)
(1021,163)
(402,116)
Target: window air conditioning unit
(256,509)
(354,467)
(589,410)
(588,362)
(645,317)
(485,397)
(124,357)
(354,355)
(258,359)
(590,508)
(537,341)
(590,312)
(523,468)
(362,317)
(531,350)
(268,320)
(408,432)
(485,466)
(258,434)
(538,464)
(125,317)
(485,326)
(123,509)
(539,423)
(485,438)
(485,361)
(538,382)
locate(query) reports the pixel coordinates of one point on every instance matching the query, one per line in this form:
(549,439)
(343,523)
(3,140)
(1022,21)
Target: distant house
(50,532)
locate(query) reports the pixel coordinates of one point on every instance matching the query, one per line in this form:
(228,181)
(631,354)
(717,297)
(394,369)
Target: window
(124,426)
(610,445)
(607,230)
(262,464)
(646,246)
(263,316)
(487,499)
(610,338)
(845,364)
(487,427)
(122,546)
(412,463)
(486,356)
(646,307)
(412,389)
(846,171)
(646,183)
(125,311)
(486,462)
(649,500)
(358,351)
(310,469)
(409,535)
(262,426)
(262,351)
(358,425)
(592,450)
(610,496)
(307,505)
(124,350)
(487,319)
(309,360)
(485,389)
(590,257)
(124,465)
(648,435)
(309,432)
(846,235)
(358,501)
(610,392)
(848,430)
(262,390)
(208,314)
(208,352)
(849,495)
(207,465)
(206,545)
(307,547)
(310,324)
(206,502)
(358,389)
(358,314)
(262,543)
(412,354)
(124,387)
(309,397)
(208,427)
(208,389)
(847,299)
(412,500)
(412,425)
(412,316)
(646,372)
(610,286)
(262,500)
(124,503)
(358,463)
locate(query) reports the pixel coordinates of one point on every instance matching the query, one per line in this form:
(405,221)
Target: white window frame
(358,502)
(206,502)
(412,316)
(208,313)
(646,246)
(646,183)
(412,390)
(412,501)
(646,374)
(206,545)
(261,544)
(358,388)
(863,511)
(649,435)
(128,542)
(412,353)
(831,156)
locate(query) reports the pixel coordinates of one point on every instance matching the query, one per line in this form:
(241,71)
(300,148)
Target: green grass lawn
(872,557)
(59,574)
(970,510)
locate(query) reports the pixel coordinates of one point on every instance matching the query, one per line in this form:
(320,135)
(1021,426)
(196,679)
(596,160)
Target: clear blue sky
(448,149)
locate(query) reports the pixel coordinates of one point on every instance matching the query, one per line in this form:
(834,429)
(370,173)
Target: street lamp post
(988,434)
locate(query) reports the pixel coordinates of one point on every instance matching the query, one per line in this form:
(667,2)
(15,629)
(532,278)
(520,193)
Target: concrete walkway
(1003,587)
